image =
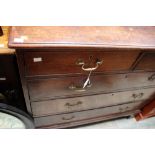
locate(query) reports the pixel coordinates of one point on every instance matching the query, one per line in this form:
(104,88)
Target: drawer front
(77,116)
(42,89)
(89,102)
(63,62)
(147,62)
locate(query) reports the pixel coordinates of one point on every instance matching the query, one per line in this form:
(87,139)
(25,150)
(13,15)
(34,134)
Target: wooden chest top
(82,36)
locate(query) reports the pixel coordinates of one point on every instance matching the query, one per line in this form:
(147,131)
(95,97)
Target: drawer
(84,115)
(58,106)
(147,62)
(44,89)
(72,61)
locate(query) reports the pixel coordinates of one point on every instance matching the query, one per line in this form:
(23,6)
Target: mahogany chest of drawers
(78,75)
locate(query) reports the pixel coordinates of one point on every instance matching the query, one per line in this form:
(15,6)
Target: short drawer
(73,61)
(58,106)
(84,115)
(44,89)
(147,62)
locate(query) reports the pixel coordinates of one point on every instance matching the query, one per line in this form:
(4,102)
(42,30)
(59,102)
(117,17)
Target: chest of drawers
(55,63)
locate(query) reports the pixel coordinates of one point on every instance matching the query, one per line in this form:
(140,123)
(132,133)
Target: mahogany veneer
(54,63)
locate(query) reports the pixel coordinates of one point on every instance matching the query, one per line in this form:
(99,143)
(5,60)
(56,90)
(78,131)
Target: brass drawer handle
(71,105)
(120,109)
(78,88)
(70,118)
(152,77)
(137,95)
(82,63)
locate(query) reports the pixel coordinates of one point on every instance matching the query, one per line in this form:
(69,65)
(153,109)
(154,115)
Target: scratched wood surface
(83,36)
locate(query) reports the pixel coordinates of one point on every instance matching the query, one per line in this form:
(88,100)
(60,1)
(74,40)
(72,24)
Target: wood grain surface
(82,36)
(65,61)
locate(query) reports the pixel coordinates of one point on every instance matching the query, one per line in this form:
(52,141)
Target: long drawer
(77,116)
(50,88)
(58,106)
(45,62)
